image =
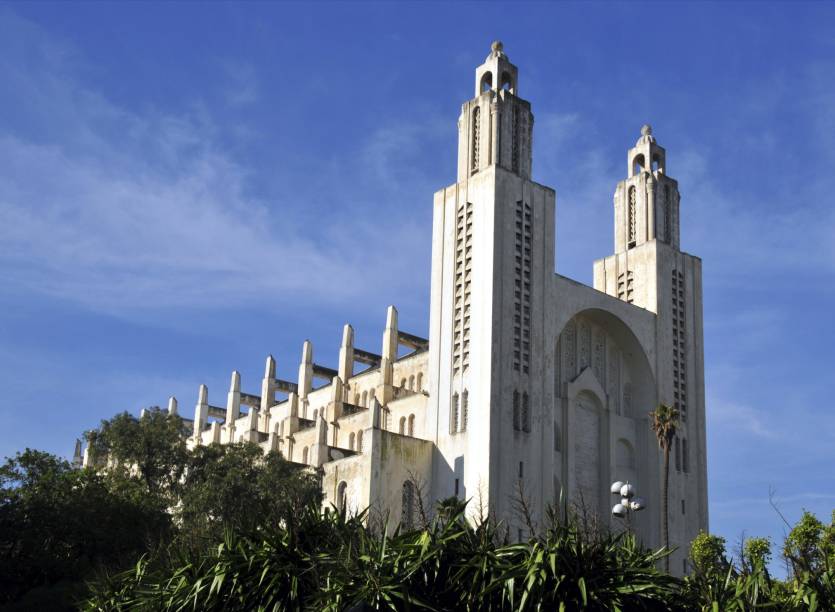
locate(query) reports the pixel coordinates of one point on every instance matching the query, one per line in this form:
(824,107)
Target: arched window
(517,423)
(557,437)
(667,214)
(486,82)
(453,414)
(315,414)
(638,164)
(402,429)
(342,496)
(304,455)
(290,447)
(357,399)
(407,512)
(359,441)
(633,227)
(351,439)
(464,407)
(476,131)
(419,382)
(507,82)
(411,383)
(526,413)
(411,429)
(403,383)
(365,399)
(386,416)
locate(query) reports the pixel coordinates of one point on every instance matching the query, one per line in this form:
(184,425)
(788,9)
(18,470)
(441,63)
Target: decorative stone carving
(570,360)
(585,345)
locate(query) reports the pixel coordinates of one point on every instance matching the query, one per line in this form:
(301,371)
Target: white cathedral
(529,380)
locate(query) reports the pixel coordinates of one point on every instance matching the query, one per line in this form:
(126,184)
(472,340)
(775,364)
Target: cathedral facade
(529,382)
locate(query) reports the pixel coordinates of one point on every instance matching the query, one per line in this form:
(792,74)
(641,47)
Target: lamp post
(628,504)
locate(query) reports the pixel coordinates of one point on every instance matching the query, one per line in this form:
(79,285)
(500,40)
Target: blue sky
(186,188)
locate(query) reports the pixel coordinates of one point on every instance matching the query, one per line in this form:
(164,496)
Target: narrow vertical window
(453,414)
(351,439)
(632,221)
(411,427)
(407,513)
(685,456)
(341,496)
(515,152)
(304,455)
(402,429)
(668,234)
(464,407)
(359,441)
(526,413)
(476,138)
(516,421)
(678,454)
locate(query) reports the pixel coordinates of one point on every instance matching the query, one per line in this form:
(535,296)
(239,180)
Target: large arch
(604,390)
(599,340)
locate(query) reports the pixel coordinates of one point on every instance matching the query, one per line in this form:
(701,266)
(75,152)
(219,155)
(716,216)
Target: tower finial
(497,47)
(646,130)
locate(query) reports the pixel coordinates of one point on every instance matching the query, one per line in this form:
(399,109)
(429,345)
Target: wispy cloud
(119,210)
(242,86)
(741,418)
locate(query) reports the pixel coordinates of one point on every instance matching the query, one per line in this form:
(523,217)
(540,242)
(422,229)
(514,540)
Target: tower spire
(495,126)
(647,200)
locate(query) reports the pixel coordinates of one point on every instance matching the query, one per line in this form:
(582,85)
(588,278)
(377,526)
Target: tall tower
(648,269)
(492,262)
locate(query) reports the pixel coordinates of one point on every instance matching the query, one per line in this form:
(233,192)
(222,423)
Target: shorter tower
(649,270)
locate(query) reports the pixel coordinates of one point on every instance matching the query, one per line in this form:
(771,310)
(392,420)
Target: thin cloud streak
(113,231)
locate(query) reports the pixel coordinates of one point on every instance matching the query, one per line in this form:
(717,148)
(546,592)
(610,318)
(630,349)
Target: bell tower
(495,126)
(492,262)
(646,202)
(649,270)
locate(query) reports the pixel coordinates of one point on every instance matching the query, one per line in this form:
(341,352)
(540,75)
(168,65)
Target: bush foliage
(155,526)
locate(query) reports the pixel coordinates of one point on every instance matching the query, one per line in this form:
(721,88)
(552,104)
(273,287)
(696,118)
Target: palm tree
(664,423)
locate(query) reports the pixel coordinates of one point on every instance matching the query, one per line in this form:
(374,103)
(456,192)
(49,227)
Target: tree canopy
(151,525)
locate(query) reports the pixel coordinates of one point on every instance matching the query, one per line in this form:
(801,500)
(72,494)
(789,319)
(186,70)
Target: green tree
(664,424)
(810,552)
(58,525)
(152,447)
(756,554)
(707,552)
(237,487)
